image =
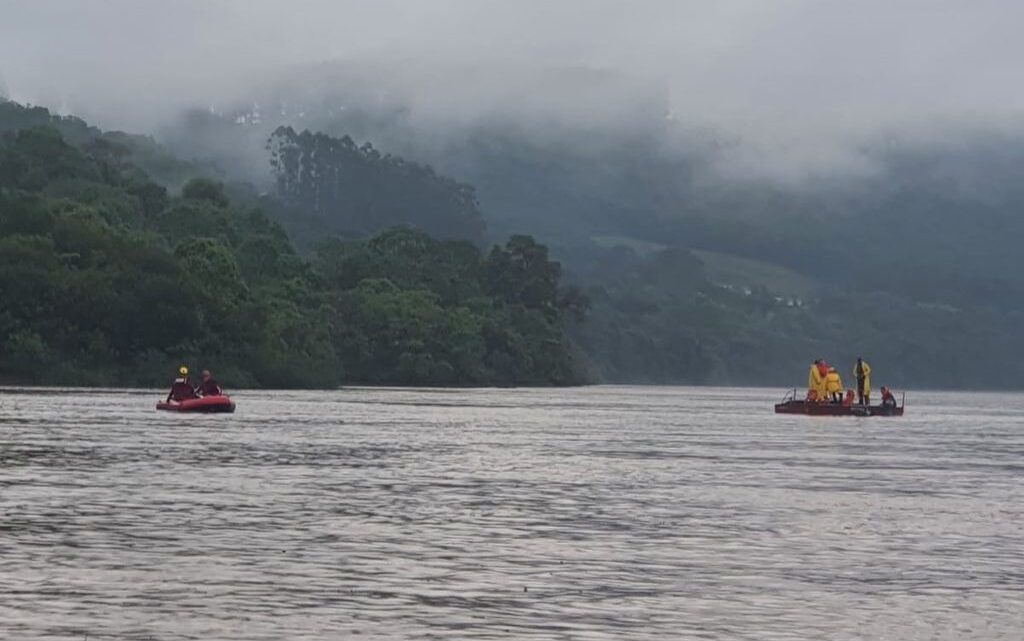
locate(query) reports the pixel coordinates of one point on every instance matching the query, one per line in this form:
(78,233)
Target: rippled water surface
(598,513)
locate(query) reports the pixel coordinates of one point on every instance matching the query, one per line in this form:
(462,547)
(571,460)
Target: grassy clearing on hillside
(729,270)
(641,247)
(726,269)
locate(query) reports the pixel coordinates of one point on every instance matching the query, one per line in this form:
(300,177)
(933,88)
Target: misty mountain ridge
(629,168)
(919,241)
(635,171)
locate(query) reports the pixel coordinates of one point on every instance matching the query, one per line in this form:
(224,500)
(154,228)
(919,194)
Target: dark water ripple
(601,513)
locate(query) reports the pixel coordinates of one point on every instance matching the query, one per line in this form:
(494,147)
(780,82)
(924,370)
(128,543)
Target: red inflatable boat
(207,404)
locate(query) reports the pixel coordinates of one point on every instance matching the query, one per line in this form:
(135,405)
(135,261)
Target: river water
(596,513)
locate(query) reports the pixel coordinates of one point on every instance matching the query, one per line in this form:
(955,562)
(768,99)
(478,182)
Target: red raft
(206,404)
(792,405)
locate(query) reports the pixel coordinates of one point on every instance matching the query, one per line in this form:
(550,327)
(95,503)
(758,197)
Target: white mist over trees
(798,82)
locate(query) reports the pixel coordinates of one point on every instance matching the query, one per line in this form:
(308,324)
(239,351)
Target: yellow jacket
(815,381)
(866,371)
(832,382)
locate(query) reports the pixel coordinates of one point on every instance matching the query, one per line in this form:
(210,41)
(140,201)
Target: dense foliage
(105,278)
(140,151)
(915,265)
(411,309)
(355,190)
(661,318)
(915,260)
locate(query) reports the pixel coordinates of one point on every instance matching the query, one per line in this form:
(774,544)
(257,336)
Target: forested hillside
(913,262)
(108,278)
(686,278)
(140,151)
(355,190)
(932,218)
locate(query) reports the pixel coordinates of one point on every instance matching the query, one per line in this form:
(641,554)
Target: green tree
(356,190)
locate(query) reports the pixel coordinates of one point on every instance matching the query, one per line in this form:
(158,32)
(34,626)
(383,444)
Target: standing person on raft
(862,372)
(182,388)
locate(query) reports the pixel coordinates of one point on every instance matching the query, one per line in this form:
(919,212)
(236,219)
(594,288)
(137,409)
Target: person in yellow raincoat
(834,385)
(816,382)
(862,372)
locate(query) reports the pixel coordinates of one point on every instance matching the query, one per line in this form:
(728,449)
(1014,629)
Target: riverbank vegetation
(108,278)
(346,264)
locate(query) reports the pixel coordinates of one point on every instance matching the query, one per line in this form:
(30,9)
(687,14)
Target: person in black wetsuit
(182,388)
(208,386)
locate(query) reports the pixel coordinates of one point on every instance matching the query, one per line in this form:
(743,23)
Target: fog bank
(792,86)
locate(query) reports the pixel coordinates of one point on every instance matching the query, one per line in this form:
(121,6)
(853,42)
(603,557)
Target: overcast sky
(780,68)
